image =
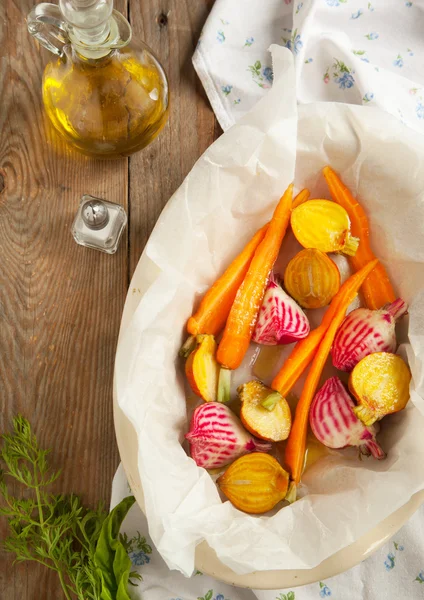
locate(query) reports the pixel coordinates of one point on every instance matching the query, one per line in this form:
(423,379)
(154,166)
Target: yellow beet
(273,423)
(380,384)
(323,225)
(254,483)
(202,369)
(312,278)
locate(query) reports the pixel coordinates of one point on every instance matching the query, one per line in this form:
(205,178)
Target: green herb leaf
(111,556)
(82,545)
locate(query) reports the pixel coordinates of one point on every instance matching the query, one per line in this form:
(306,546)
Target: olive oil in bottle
(105,95)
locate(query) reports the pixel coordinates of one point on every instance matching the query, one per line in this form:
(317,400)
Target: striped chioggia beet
(280,318)
(217,437)
(334,423)
(364,332)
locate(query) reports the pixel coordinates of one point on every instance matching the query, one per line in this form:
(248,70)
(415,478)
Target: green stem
(15,512)
(351,245)
(42,562)
(40,508)
(365,414)
(37,493)
(291,493)
(224,384)
(64,586)
(84,541)
(74,591)
(41,516)
(271,401)
(188,347)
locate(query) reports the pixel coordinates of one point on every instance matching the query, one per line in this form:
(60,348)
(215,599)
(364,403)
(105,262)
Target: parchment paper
(230,191)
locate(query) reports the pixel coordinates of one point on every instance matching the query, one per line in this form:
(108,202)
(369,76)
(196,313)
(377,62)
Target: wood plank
(60,304)
(171,28)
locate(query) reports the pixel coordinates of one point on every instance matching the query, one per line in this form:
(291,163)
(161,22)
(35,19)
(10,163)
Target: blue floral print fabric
(352,51)
(394,572)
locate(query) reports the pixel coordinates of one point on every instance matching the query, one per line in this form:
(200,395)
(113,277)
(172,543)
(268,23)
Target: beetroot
(217,437)
(334,423)
(280,319)
(364,332)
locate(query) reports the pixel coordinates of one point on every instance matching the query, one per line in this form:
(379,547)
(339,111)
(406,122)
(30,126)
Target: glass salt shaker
(99,224)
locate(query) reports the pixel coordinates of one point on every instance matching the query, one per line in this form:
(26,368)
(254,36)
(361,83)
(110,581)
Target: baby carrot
(244,311)
(216,304)
(299,358)
(296,443)
(377,289)
(304,351)
(301,198)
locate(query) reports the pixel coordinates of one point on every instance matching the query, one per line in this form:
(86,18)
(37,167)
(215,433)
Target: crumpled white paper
(230,191)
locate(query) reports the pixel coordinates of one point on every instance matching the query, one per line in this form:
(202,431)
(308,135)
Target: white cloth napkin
(355,51)
(395,572)
(351,51)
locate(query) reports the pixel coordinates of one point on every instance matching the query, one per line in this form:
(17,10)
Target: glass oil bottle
(107,96)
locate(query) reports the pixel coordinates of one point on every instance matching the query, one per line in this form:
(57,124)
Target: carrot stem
(215,306)
(291,493)
(377,289)
(296,443)
(244,311)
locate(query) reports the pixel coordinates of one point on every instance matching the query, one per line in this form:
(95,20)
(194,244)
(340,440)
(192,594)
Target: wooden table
(61,304)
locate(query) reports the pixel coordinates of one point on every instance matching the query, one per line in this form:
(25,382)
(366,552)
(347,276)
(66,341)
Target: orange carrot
(305,349)
(296,443)
(377,289)
(244,311)
(300,357)
(216,304)
(301,198)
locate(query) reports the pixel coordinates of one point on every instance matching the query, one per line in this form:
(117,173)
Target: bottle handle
(45,22)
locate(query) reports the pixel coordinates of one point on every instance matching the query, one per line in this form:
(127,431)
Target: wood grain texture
(171,28)
(60,304)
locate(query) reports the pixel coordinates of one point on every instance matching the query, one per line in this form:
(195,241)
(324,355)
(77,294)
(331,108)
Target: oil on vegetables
(250,304)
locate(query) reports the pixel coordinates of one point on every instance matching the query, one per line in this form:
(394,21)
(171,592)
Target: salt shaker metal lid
(95,213)
(99,224)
